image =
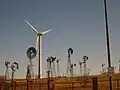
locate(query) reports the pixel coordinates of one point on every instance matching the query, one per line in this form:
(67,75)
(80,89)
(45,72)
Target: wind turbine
(39,44)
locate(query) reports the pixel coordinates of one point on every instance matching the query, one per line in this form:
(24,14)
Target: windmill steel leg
(57,69)
(54,69)
(81,70)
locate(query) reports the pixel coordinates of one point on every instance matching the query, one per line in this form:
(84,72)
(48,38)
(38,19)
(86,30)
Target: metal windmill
(119,66)
(85,58)
(14,67)
(48,63)
(50,60)
(103,68)
(31,53)
(53,67)
(7,64)
(58,60)
(72,70)
(80,63)
(88,72)
(70,52)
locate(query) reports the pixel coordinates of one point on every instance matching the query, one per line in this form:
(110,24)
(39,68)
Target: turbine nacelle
(40,34)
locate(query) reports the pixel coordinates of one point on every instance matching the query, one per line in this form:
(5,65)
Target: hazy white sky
(78,24)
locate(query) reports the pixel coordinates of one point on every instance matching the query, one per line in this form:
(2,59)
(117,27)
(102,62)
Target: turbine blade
(37,42)
(46,31)
(35,30)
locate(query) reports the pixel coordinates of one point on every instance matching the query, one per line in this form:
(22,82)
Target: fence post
(29,85)
(1,86)
(94,83)
(117,84)
(13,85)
(52,84)
(72,86)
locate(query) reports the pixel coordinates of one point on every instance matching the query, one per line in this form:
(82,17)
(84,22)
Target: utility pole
(108,44)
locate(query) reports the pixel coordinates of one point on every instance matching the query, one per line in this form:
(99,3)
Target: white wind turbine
(39,43)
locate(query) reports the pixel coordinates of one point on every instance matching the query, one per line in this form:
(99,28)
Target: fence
(76,83)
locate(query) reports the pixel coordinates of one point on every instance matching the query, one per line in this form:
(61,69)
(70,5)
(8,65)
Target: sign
(110,71)
(31,53)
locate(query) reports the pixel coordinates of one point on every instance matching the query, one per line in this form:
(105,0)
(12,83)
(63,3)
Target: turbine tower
(39,44)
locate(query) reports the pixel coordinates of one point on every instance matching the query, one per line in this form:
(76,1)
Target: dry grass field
(64,83)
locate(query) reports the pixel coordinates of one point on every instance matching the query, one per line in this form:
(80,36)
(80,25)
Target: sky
(77,24)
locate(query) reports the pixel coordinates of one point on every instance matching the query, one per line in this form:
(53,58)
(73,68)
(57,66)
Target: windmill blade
(37,42)
(46,31)
(35,30)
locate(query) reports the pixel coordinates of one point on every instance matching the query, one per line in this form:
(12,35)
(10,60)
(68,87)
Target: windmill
(53,62)
(31,53)
(71,70)
(51,68)
(88,72)
(14,67)
(48,65)
(80,63)
(57,66)
(103,68)
(85,58)
(39,44)
(70,51)
(7,64)
(119,66)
